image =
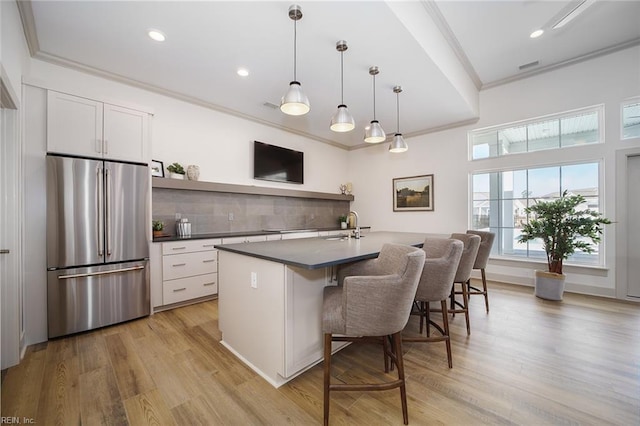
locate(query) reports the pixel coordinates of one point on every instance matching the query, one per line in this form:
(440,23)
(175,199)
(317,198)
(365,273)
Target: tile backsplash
(219,212)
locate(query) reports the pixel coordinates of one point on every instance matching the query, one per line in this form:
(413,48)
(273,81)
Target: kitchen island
(270,297)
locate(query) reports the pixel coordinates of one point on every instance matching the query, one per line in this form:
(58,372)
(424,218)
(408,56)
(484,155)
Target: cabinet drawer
(189,264)
(245,239)
(175,291)
(188,246)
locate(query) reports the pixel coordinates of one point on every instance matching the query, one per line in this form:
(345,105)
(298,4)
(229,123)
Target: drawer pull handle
(208,261)
(179,289)
(207,284)
(178,248)
(178,264)
(207,245)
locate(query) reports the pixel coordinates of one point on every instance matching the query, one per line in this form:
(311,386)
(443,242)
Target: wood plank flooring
(527,362)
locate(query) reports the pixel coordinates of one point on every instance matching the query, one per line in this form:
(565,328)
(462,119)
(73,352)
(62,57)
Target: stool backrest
(442,259)
(469,253)
(486,243)
(380,305)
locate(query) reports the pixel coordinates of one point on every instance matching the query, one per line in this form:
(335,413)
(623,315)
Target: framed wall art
(157,168)
(414,193)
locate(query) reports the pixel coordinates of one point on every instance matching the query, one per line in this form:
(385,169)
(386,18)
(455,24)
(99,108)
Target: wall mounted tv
(277,164)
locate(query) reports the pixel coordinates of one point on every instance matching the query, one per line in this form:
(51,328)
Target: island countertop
(321,252)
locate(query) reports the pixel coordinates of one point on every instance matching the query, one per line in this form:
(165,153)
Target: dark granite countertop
(321,252)
(247,233)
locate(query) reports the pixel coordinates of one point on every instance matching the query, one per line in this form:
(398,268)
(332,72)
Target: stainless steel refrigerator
(97,249)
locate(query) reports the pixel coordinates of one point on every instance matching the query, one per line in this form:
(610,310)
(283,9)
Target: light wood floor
(528,362)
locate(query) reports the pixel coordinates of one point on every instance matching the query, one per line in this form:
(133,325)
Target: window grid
(583,127)
(510,208)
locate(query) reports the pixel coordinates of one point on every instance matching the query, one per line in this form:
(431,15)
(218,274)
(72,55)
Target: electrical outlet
(230,216)
(254,280)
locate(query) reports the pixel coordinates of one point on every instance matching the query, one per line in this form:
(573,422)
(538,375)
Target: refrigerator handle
(100,210)
(115,271)
(108,210)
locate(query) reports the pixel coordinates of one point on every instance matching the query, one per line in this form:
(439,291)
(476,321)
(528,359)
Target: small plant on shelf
(342,221)
(176,168)
(158,227)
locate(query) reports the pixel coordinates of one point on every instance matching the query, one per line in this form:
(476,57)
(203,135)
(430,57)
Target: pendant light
(294,102)
(373,133)
(398,144)
(342,121)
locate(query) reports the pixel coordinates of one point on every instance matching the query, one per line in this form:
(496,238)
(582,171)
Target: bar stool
(486,243)
(440,266)
(372,307)
(463,274)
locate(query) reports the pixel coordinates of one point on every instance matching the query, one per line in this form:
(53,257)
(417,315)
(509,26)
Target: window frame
(623,105)
(497,251)
(599,109)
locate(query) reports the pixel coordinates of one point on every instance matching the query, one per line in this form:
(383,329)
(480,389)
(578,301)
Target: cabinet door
(74,125)
(125,133)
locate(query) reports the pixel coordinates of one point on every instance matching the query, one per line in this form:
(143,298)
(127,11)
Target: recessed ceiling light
(536,33)
(156,35)
(243,72)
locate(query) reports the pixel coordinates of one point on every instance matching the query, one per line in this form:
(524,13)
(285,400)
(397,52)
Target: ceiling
(441,53)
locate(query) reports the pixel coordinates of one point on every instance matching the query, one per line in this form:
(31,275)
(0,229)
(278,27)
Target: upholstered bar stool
(486,242)
(463,274)
(440,266)
(369,307)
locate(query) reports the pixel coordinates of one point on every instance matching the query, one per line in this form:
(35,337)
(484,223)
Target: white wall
(605,80)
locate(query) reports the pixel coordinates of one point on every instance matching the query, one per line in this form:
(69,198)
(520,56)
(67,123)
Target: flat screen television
(278,164)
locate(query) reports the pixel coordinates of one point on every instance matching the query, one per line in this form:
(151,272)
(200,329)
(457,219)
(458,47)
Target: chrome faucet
(356,232)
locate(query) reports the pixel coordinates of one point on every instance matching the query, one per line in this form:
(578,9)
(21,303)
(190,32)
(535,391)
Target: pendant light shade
(342,121)
(295,102)
(398,144)
(373,133)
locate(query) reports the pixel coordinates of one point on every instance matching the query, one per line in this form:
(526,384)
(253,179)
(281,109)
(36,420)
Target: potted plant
(563,229)
(342,220)
(157,226)
(176,171)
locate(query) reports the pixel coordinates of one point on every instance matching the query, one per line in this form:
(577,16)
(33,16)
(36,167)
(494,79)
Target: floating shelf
(194,185)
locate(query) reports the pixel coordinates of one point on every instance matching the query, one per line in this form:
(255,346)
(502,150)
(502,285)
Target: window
(558,131)
(631,120)
(500,199)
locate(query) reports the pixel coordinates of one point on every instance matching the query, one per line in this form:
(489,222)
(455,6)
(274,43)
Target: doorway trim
(622,280)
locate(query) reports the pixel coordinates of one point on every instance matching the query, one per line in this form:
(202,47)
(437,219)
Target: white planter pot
(176,176)
(549,285)
(343,225)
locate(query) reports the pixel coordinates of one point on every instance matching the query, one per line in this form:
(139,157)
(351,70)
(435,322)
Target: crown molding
(558,65)
(28,25)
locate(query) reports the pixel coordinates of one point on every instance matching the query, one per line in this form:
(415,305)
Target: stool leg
(327,375)
(484,287)
(465,304)
(397,347)
(445,327)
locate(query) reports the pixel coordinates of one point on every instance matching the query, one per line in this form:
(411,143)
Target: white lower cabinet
(189,270)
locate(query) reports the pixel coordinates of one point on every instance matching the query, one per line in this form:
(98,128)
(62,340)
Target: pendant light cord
(295,49)
(398,112)
(341,78)
(374,97)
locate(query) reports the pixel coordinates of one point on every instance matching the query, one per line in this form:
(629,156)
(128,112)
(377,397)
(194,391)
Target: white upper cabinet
(86,127)
(125,133)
